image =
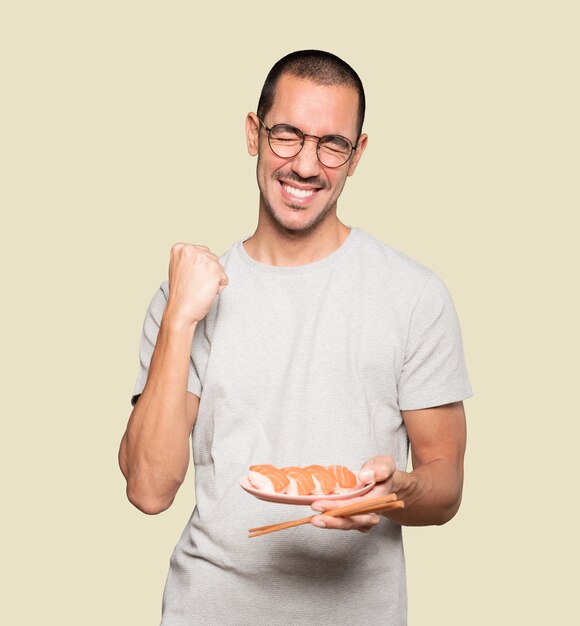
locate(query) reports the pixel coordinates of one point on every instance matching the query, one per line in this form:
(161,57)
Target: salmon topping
(344,477)
(325,481)
(301,483)
(279,481)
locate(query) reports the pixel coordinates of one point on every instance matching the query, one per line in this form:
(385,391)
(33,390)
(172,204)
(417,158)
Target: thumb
(377,469)
(223,283)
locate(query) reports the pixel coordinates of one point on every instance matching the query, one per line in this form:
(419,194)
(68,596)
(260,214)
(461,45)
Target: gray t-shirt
(296,366)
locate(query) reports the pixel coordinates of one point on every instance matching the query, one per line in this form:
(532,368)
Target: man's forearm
(432,493)
(154,452)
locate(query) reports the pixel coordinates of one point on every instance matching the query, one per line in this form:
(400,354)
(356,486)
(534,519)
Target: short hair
(323,68)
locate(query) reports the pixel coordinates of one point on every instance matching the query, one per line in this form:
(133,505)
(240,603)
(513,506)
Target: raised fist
(196,278)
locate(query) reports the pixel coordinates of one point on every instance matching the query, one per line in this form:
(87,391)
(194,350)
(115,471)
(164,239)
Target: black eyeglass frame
(304,135)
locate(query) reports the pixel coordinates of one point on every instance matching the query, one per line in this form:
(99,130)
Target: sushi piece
(324,481)
(268,478)
(345,479)
(301,482)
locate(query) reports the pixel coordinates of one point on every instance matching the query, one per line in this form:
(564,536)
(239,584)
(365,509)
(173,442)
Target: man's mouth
(296,192)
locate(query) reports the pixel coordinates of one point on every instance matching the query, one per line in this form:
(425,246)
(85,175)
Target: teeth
(299,193)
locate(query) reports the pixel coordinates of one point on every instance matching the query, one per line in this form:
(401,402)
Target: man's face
(299,193)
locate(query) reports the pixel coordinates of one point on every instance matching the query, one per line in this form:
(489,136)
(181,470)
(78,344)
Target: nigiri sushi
(268,478)
(301,482)
(324,481)
(345,479)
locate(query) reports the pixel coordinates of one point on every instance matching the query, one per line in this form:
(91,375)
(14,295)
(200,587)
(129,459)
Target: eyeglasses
(286,142)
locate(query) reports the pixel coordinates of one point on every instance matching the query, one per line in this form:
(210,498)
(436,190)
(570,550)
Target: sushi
(302,481)
(268,478)
(324,481)
(345,479)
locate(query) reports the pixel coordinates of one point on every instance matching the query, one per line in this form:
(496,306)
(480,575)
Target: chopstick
(383,503)
(341,511)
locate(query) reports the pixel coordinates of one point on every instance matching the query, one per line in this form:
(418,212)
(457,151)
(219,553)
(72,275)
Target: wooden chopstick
(383,503)
(398,504)
(341,511)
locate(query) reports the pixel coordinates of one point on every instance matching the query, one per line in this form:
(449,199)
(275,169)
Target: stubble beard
(290,228)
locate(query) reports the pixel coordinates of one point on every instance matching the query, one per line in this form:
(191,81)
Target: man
(308,343)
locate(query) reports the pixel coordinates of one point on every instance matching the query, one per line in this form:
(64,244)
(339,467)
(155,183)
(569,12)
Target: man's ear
(252,133)
(361,147)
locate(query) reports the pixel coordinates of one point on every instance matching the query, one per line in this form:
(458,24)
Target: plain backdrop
(122,132)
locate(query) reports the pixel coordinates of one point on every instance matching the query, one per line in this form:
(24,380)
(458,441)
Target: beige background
(122,132)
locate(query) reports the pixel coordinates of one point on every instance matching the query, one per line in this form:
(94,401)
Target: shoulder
(225,257)
(390,264)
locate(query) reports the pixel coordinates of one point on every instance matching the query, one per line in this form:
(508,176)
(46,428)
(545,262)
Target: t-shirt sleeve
(434,370)
(148,339)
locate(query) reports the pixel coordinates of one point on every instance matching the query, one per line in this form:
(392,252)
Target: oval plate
(284,498)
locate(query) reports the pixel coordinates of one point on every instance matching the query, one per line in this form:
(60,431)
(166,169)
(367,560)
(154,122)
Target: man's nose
(306,163)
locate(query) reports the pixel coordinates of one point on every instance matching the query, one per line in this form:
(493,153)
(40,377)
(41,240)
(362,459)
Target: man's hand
(432,491)
(195,279)
(379,469)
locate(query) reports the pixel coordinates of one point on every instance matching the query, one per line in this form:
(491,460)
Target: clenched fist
(195,279)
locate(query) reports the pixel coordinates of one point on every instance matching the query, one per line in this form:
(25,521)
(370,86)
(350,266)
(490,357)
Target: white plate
(284,498)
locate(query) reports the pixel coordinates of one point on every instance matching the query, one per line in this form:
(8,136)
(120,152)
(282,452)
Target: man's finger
(327,505)
(223,284)
(356,522)
(378,469)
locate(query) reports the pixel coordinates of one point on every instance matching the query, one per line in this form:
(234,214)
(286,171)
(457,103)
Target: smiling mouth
(297,193)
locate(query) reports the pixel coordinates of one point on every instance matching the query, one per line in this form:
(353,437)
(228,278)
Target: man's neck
(274,246)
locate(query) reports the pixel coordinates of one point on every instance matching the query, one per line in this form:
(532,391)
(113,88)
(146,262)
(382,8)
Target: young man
(308,343)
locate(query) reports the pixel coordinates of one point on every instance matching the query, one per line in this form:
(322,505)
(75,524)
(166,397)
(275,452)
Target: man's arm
(432,490)
(154,452)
